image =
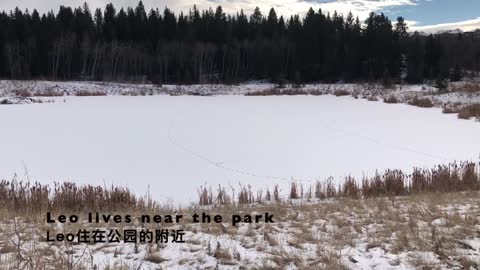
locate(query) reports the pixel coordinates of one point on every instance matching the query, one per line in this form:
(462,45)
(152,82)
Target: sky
(421,15)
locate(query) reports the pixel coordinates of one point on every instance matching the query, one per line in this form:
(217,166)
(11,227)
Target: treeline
(210,46)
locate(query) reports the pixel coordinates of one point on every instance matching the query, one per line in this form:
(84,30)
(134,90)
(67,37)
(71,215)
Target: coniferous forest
(210,46)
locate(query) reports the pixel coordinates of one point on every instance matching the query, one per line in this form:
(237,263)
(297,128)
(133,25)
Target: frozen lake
(176,144)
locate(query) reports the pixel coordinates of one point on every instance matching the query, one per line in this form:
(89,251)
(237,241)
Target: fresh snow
(172,145)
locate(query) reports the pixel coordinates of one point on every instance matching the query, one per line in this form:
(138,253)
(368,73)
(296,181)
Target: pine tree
(401,28)
(456,74)
(210,46)
(415,61)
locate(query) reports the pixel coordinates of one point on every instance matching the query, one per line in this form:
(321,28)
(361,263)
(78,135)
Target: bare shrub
(48,93)
(309,193)
(315,93)
(294,92)
(469,111)
(391,100)
(394,182)
(246,195)
(294,192)
(205,196)
(372,98)
(421,102)
(23,93)
(470,177)
(282,92)
(85,93)
(350,188)
(319,194)
(138,93)
(469,87)
(467,263)
(451,108)
(444,178)
(420,180)
(222,197)
(155,258)
(374,187)
(330,259)
(268,196)
(330,189)
(266,92)
(276,194)
(222,253)
(259,198)
(341,92)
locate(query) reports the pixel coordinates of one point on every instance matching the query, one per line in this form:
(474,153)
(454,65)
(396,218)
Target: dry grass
(469,87)
(454,177)
(22,93)
(221,253)
(155,258)
(321,235)
(34,198)
(330,259)
(450,108)
(86,93)
(284,92)
(391,100)
(245,196)
(137,93)
(469,111)
(341,92)
(266,92)
(421,102)
(48,93)
(315,93)
(30,93)
(294,191)
(205,196)
(432,211)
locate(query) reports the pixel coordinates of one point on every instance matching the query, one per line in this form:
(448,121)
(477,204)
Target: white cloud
(411,24)
(360,8)
(468,25)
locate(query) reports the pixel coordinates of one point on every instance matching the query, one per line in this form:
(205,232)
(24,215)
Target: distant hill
(447,32)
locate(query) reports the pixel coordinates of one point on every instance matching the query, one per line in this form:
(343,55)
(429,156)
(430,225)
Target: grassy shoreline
(421,231)
(429,219)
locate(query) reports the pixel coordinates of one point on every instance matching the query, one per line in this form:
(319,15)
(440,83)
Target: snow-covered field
(430,231)
(171,140)
(174,144)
